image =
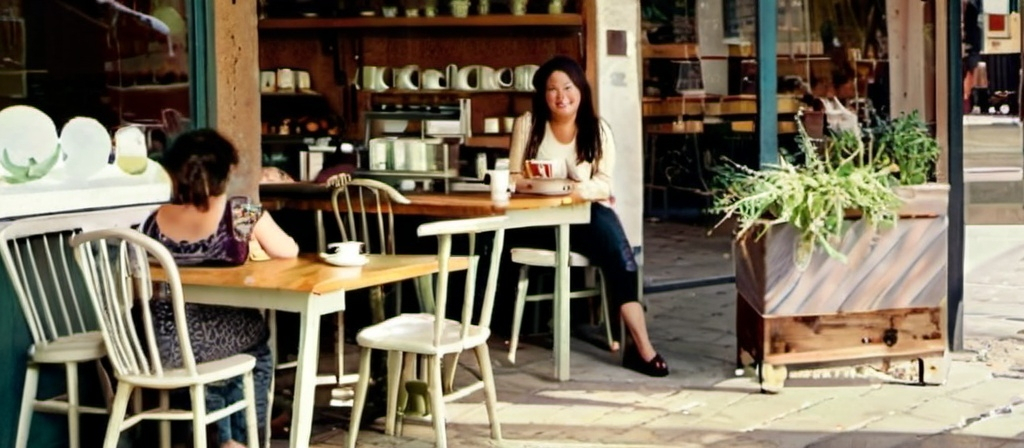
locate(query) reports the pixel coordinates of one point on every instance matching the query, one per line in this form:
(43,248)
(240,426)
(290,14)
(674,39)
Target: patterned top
(215,332)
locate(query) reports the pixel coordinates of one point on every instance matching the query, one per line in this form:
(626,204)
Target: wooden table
(305,286)
(523,210)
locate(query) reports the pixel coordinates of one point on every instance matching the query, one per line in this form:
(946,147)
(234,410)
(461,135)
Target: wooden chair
(433,335)
(116,267)
(57,314)
(546,258)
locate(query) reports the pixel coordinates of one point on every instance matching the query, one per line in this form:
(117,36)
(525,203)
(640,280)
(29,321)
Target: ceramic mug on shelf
(556,6)
(523,77)
(268,81)
(492,125)
(518,7)
(303,81)
(285,80)
(432,79)
(373,78)
(460,8)
(408,77)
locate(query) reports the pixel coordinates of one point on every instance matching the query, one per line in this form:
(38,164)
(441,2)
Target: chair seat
(74,348)
(414,333)
(543,257)
(209,372)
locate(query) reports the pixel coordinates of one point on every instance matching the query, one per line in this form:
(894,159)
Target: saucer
(346,262)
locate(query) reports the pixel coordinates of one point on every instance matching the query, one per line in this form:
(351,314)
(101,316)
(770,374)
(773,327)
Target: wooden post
(906,56)
(955,151)
(236,111)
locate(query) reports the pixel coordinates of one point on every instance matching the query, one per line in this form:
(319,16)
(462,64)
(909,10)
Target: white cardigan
(594,184)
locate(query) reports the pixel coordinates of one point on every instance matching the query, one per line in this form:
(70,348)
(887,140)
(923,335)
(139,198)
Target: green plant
(907,143)
(814,197)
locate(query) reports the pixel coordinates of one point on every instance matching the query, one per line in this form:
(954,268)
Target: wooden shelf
(449,92)
(502,141)
(670,51)
(492,20)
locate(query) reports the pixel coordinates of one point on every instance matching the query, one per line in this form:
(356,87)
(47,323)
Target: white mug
(268,81)
(508,123)
(492,125)
(302,80)
(347,249)
(499,186)
(285,80)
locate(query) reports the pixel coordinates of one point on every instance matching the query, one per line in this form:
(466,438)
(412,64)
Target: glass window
(122,62)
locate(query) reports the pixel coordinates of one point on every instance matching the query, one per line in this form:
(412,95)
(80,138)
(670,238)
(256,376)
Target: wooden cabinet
(333,49)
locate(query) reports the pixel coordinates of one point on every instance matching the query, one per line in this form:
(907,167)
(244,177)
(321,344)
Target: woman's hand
(514,179)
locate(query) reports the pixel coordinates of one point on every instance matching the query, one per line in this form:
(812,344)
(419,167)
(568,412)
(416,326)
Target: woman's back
(208,238)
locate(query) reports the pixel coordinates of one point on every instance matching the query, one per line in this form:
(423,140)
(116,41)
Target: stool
(546,258)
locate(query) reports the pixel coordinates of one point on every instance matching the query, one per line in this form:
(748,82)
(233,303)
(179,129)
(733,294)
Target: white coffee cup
(508,123)
(285,80)
(499,186)
(347,249)
(268,81)
(492,125)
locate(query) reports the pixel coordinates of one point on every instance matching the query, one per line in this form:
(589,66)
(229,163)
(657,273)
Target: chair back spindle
(367,215)
(116,264)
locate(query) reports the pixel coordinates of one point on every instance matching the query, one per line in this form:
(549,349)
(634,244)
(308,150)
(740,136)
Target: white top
(594,184)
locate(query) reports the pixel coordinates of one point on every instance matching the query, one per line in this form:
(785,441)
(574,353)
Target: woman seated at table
(565,127)
(202,226)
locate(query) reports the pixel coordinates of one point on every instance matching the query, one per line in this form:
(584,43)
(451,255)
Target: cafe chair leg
(394,384)
(483,357)
(517,317)
(437,402)
(198,411)
(252,438)
(117,413)
(359,401)
(28,397)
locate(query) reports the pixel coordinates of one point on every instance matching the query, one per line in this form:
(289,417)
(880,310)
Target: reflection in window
(123,62)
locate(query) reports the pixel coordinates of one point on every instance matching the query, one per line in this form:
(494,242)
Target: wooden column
(907,56)
(235,75)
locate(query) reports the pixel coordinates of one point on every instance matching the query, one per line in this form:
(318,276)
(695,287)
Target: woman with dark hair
(564,126)
(202,226)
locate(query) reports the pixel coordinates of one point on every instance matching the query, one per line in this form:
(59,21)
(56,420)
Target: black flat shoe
(655,367)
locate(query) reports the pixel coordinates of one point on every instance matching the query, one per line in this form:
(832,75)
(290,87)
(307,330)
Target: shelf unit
(491,20)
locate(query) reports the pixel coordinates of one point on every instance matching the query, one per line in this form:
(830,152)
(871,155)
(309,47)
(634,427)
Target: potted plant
(840,253)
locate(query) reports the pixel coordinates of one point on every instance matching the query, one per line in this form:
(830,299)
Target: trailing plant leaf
(813,197)
(909,144)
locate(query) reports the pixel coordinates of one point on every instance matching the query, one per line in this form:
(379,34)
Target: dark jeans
(602,240)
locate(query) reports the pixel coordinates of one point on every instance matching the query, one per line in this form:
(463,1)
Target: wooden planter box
(884,305)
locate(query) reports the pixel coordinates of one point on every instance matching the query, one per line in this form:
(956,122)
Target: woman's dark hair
(199,163)
(588,126)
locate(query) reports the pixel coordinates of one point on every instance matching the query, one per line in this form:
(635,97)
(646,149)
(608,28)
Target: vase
(556,7)
(459,8)
(483,7)
(518,7)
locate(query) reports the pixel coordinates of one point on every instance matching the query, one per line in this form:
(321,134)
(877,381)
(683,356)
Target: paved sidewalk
(703,404)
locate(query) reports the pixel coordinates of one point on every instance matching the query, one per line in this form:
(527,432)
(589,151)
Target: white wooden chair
(58,317)
(116,267)
(528,257)
(433,335)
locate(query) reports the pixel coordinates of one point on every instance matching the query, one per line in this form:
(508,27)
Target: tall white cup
(499,186)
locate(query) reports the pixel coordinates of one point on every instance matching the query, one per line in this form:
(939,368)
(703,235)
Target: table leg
(305,379)
(321,235)
(561,330)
